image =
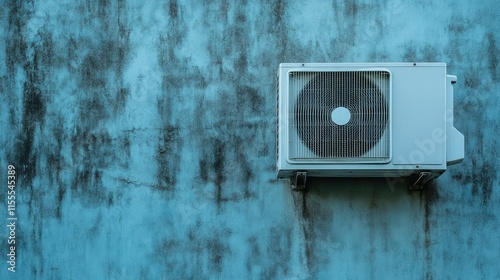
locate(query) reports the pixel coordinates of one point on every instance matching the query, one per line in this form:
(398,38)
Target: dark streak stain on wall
(493,53)
(431,196)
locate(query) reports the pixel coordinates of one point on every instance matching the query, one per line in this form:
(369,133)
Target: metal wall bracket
(419,180)
(298,181)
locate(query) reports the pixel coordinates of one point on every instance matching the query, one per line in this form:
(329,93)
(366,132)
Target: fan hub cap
(341,115)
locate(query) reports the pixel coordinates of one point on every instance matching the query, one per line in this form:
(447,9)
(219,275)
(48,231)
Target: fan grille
(360,132)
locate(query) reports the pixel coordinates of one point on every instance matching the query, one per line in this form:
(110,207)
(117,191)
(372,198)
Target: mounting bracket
(298,180)
(420,180)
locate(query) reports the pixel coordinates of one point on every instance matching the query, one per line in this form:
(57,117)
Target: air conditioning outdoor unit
(365,120)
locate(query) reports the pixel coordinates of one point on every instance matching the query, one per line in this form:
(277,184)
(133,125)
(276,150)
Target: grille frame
(299,151)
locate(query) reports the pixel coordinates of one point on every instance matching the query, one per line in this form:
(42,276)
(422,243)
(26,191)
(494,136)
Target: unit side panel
(419,131)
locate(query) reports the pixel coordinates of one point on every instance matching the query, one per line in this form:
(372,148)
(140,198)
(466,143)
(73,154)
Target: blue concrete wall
(143,135)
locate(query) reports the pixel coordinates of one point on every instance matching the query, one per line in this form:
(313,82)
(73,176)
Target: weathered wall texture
(144,136)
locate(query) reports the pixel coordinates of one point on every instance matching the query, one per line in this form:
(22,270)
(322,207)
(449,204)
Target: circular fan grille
(362,103)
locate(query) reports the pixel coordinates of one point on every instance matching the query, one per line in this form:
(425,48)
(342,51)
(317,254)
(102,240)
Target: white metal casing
(421,132)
